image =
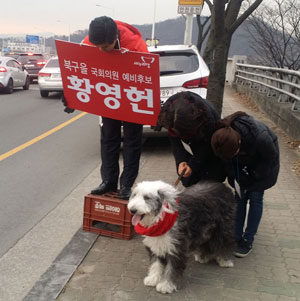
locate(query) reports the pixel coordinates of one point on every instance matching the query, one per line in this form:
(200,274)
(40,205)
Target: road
(36,178)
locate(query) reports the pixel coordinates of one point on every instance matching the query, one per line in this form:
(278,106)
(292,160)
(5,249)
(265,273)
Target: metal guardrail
(277,82)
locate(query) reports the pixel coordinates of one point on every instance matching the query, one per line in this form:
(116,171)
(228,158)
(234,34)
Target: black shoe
(104,187)
(125,193)
(243,248)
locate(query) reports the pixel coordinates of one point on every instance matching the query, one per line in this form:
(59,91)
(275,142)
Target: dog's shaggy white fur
(205,227)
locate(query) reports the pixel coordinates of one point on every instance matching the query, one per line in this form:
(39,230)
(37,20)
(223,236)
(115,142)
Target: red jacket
(130,38)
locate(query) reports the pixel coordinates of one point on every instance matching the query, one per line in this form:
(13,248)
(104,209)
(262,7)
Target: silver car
(49,78)
(12,75)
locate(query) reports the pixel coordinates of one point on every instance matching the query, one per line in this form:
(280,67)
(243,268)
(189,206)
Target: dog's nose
(133,211)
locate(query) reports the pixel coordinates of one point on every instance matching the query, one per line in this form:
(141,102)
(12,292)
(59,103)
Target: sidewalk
(113,269)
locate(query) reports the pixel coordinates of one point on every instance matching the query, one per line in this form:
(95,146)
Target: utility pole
(188,29)
(189,8)
(44,42)
(153,25)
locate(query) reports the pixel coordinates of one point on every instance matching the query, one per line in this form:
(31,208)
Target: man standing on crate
(107,34)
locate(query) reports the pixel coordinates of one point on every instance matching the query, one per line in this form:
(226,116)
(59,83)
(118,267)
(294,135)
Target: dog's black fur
(206,218)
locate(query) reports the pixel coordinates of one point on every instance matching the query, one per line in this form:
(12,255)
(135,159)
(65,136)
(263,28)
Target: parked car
(181,68)
(49,78)
(12,75)
(33,62)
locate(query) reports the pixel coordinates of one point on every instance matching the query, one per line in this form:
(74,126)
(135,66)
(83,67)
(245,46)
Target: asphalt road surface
(39,168)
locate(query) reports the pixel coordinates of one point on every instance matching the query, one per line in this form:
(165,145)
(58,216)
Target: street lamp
(69,37)
(153,25)
(113,10)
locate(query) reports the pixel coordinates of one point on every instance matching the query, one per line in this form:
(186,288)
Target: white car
(181,69)
(12,75)
(49,78)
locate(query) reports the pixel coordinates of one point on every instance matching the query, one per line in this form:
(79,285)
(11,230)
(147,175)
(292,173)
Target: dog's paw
(224,263)
(151,280)
(166,287)
(201,259)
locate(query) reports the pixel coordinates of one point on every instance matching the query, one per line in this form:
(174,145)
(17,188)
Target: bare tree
(275,31)
(203,30)
(226,17)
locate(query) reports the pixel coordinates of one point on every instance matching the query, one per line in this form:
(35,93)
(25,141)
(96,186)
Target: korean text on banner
(122,86)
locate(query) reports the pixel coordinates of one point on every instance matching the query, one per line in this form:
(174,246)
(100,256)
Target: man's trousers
(110,150)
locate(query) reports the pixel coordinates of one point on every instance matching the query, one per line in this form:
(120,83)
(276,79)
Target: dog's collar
(159,228)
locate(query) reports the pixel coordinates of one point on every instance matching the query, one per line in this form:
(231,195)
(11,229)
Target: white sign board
(193,10)
(192,7)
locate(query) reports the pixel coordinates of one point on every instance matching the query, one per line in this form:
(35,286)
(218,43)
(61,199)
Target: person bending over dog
(251,152)
(190,121)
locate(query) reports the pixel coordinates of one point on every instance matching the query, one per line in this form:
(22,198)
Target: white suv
(181,69)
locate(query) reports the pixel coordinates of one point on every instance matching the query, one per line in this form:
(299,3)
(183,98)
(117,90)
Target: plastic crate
(107,215)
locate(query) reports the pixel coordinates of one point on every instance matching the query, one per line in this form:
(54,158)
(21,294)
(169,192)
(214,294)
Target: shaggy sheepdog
(200,219)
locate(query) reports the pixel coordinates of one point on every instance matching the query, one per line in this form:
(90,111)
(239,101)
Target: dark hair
(103,30)
(226,141)
(187,113)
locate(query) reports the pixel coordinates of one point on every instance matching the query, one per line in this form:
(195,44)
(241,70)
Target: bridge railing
(281,83)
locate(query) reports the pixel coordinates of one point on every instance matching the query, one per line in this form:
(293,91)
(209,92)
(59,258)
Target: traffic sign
(192,10)
(191,7)
(190,2)
(32,39)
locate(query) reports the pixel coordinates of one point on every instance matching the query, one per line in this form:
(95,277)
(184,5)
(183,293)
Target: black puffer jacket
(256,167)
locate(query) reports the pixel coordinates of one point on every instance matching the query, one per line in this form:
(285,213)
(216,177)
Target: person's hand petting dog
(67,109)
(184,167)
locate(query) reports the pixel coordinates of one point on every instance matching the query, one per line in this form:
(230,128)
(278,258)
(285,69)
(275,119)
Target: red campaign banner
(122,86)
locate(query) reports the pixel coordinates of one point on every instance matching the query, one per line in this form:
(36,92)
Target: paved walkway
(113,269)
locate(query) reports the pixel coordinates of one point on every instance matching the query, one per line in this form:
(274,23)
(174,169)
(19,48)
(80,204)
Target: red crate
(107,215)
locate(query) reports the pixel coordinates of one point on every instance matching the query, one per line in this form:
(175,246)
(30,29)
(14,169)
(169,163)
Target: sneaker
(243,248)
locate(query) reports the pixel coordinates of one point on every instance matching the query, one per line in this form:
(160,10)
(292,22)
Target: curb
(52,282)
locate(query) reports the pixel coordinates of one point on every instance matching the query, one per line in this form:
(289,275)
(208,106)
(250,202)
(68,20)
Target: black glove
(67,109)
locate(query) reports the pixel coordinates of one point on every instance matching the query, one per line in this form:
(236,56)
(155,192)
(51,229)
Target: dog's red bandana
(161,227)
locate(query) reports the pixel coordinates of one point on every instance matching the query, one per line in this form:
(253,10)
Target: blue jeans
(254,215)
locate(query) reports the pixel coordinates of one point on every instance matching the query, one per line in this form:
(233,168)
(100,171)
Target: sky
(63,16)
